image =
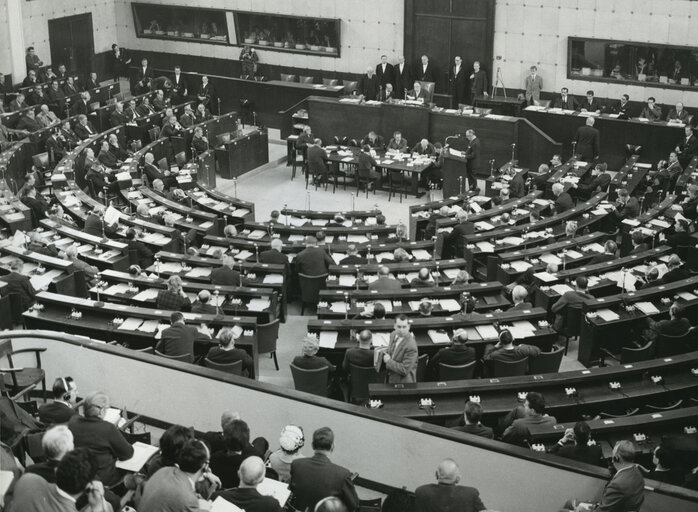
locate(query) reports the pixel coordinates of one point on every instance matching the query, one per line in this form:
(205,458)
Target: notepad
(243,255)
(607,315)
(141,453)
(550,258)
(338,307)
(451,273)
(513,240)
(273,279)
(574,254)
(276,489)
(223,505)
(546,277)
(149,326)
(484,226)
(647,308)
(520,266)
(449,305)
(380,339)
(258,304)
(130,324)
(438,337)
(199,272)
(257,234)
(485,247)
(687,296)
(522,329)
(328,339)
(421,254)
(117,289)
(347,280)
(145,295)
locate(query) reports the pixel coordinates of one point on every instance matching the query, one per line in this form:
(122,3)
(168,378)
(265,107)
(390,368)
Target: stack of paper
(451,273)
(520,266)
(561,288)
(513,240)
(145,295)
(487,331)
(607,314)
(141,453)
(438,336)
(117,289)
(595,247)
(380,339)
(546,277)
(687,296)
(647,308)
(449,304)
(338,307)
(296,238)
(356,239)
(278,490)
(483,226)
(40,281)
(384,255)
(273,279)
(485,247)
(258,304)
(522,329)
(328,339)
(347,280)
(550,258)
(243,255)
(149,326)
(131,324)
(199,272)
(257,234)
(421,254)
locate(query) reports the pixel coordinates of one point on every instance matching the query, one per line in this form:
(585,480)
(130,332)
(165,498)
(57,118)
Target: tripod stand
(498,82)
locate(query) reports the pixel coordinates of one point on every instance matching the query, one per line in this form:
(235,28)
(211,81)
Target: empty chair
(288,78)
(187,358)
(546,362)
(181,159)
(16,379)
(510,368)
(310,289)
(350,86)
(234,368)
(636,354)
(163,165)
(667,345)
(422,362)
(305,79)
(330,82)
(310,381)
(453,372)
(267,335)
(359,379)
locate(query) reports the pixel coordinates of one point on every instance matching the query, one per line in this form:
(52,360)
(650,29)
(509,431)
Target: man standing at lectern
(472,156)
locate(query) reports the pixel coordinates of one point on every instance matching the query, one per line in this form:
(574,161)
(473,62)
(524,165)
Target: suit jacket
(313,261)
(675,274)
(159,104)
(402,366)
(472,155)
(457,354)
(117,119)
(179,339)
(353,260)
(80,107)
(58,145)
(403,79)
(179,86)
(623,110)
(56,97)
(108,159)
(273,256)
(568,103)
(85,131)
(653,114)
(368,86)
(169,489)
(316,160)
(225,276)
(378,143)
(422,151)
(14,106)
(169,131)
(70,90)
(187,120)
(533,87)
(587,139)
(589,107)
(457,236)
(56,412)
(358,357)
(205,91)
(586,454)
(398,146)
(478,84)
(600,182)
(476,430)
(384,77)
(625,492)
(144,255)
(19,284)
(91,84)
(683,116)
(630,210)
(459,84)
(144,76)
(144,110)
(314,478)
(29,124)
(385,284)
(447,498)
(640,248)
(518,431)
(249,499)
(689,147)
(516,186)
(571,298)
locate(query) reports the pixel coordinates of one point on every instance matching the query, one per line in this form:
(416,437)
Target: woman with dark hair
(171,444)
(225,463)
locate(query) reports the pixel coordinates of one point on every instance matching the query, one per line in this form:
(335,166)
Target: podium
(453,174)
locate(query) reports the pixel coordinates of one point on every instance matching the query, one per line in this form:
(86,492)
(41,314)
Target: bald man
(447,495)
(246,496)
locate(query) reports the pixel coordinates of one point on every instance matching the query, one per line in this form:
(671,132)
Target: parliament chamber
(221,222)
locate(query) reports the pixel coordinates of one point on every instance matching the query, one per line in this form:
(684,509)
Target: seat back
(311,286)
(32,445)
(360,378)
(456,372)
(510,368)
(305,79)
(184,357)
(672,345)
(350,85)
(428,90)
(154,133)
(310,381)
(181,159)
(133,437)
(267,334)
(634,355)
(288,78)
(330,82)
(422,367)
(145,350)
(546,362)
(232,368)
(162,164)
(573,321)
(543,103)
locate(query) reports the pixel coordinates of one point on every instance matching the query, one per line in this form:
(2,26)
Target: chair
(633,355)
(546,362)
(422,362)
(359,379)
(510,368)
(29,406)
(305,79)
(145,350)
(154,133)
(310,381)
(350,85)
(456,372)
(330,82)
(428,90)
(399,177)
(163,165)
(573,324)
(33,447)
(373,505)
(628,412)
(267,335)
(181,159)
(16,379)
(231,368)
(288,78)
(186,358)
(303,161)
(673,345)
(310,289)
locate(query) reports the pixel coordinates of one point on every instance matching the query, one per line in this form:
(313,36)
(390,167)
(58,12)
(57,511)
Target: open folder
(141,453)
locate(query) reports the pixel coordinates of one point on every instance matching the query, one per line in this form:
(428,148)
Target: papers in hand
(111,216)
(223,505)
(141,453)
(277,490)
(113,416)
(328,339)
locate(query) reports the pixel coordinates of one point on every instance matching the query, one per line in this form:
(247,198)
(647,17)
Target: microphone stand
(256,252)
(513,153)
(574,148)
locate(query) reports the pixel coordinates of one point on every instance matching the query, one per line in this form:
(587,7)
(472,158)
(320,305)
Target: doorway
(72,43)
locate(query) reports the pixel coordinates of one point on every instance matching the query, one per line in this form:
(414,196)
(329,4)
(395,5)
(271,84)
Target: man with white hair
(588,141)
(226,273)
(246,496)
(519,295)
(313,261)
(563,201)
(71,254)
(201,304)
(46,117)
(385,281)
(446,494)
(368,85)
(56,442)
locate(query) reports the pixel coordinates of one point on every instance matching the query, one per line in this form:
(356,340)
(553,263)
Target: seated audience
(574,445)
(608,254)
(245,495)
(446,494)
(573,298)
(676,270)
(505,350)
(226,352)
(201,304)
(19,284)
(56,442)
(637,238)
(532,412)
(385,282)
(291,440)
(472,414)
(226,274)
(563,201)
(180,339)
(353,257)
(174,298)
(423,279)
(457,354)
(171,443)
(519,295)
(61,409)
(143,255)
(226,462)
(309,360)
(677,325)
(666,467)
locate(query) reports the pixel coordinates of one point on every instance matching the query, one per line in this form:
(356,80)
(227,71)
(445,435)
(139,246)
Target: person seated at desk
(118,117)
(517,188)
(145,109)
(505,350)
(309,360)
(104,439)
(637,239)
(227,353)
(446,494)
(61,409)
(532,412)
(385,282)
(174,298)
(316,161)
(579,450)
(563,201)
(274,255)
(226,274)
(651,110)
(30,80)
(205,93)
(90,271)
(46,118)
(338,222)
(28,122)
(172,128)
(387,95)
(143,213)
(666,467)
(108,158)
(361,356)
(365,168)
(201,304)
(372,311)
(627,207)
(120,153)
(131,112)
(36,96)
(188,118)
(423,279)
(540,181)
(608,254)
(623,107)
(472,414)
(180,339)
(199,143)
(467,304)
(19,284)
(353,257)
(368,85)
(82,106)
(457,354)
(519,295)
(590,104)
(572,298)
(159,102)
(374,141)
(18,103)
(37,244)
(417,93)
(313,260)
(202,113)
(676,270)
(70,88)
(687,147)
(680,237)
(84,129)
(291,440)
(143,255)
(565,101)
(599,182)
(425,308)
(95,225)
(56,442)
(457,237)
(397,143)
(424,147)
(462,277)
(678,114)
(651,278)
(430,228)
(250,474)
(677,325)
(37,204)
(155,173)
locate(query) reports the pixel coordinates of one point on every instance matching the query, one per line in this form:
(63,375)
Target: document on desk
(257,234)
(384,255)
(206,225)
(356,239)
(41,281)
(520,266)
(631,222)
(660,223)
(438,337)
(149,326)
(223,505)
(148,294)
(296,238)
(546,277)
(449,304)
(117,289)
(273,279)
(258,304)
(484,226)
(421,254)
(541,202)
(241,212)
(574,254)
(593,248)
(647,308)
(141,453)
(687,296)
(485,247)
(338,307)
(111,215)
(513,240)
(328,339)
(607,315)
(550,258)
(347,280)
(199,272)
(337,257)
(522,329)
(451,273)
(561,288)
(154,238)
(487,331)
(243,255)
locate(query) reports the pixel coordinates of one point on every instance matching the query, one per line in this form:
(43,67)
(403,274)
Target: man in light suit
(401,357)
(534,84)
(459,84)
(572,298)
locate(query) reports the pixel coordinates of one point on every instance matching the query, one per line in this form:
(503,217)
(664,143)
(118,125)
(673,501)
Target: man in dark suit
(457,237)
(457,354)
(179,339)
(472,414)
(187,118)
(447,495)
(314,478)
(92,82)
(517,187)
(690,203)
(384,72)
(226,273)
(623,108)
(106,157)
(245,495)
(368,85)
(373,140)
(61,409)
(313,261)
(677,325)
(93,226)
(118,117)
(17,104)
(521,417)
(676,270)
(417,93)
(28,122)
(572,298)
(565,101)
(579,450)
(459,82)
(274,255)
(403,77)
(627,207)
(205,93)
(472,156)
(19,284)
(687,147)
(82,106)
(57,145)
(71,138)
(397,143)
(638,240)
(425,71)
(519,295)
(316,161)
(678,113)
(590,104)
(153,172)
(30,80)
(84,129)
(608,254)
(478,82)
(353,257)
(70,88)
(145,108)
(179,86)
(159,102)
(143,254)
(385,281)
(599,183)
(588,141)
(361,356)
(143,77)
(56,96)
